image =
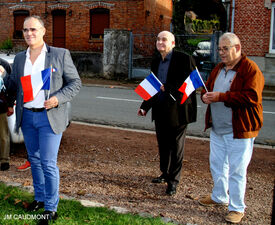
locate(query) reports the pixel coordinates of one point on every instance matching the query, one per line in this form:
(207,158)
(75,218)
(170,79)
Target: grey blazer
(65,84)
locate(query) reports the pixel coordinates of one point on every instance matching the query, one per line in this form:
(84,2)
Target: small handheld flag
(148,87)
(192,82)
(2,86)
(32,84)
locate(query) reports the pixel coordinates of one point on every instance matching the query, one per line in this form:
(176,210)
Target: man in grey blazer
(43,119)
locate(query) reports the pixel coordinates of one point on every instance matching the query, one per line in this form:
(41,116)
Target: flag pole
(50,81)
(201,79)
(162,84)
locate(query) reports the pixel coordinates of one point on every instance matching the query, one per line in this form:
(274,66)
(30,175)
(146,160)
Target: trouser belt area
(36,109)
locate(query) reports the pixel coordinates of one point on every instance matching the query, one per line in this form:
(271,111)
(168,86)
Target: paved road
(118,107)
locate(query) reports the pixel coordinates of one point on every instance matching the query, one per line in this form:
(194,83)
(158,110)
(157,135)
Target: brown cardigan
(244,97)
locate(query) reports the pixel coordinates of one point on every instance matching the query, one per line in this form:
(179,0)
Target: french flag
(192,82)
(148,87)
(32,84)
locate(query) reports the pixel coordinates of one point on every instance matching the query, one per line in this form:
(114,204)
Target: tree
(205,9)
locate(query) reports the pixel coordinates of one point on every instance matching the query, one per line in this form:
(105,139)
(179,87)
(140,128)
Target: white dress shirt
(31,69)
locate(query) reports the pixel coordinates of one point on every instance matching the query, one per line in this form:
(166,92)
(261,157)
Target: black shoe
(35,206)
(47,217)
(171,189)
(5,166)
(159,180)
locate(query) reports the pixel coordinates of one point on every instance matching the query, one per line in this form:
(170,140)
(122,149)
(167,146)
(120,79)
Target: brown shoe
(207,201)
(234,217)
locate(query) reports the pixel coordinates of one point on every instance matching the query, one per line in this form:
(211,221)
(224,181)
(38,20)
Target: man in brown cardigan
(235,114)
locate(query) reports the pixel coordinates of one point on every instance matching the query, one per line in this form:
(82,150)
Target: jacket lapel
(21,65)
(48,62)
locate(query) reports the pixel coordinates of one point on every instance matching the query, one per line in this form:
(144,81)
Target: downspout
(232,16)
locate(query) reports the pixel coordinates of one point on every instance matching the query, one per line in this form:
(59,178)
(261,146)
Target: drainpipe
(232,16)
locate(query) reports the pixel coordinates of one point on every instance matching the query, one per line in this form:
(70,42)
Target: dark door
(59,28)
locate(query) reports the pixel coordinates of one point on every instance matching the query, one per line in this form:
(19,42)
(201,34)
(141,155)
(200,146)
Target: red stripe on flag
(27,88)
(142,93)
(182,89)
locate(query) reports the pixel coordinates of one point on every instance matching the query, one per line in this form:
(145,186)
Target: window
(99,20)
(272,30)
(19,17)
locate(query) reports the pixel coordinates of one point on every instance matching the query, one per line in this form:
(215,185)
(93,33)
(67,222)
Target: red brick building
(254,23)
(79,24)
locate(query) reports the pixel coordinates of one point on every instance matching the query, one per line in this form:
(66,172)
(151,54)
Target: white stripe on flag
(189,87)
(37,82)
(148,87)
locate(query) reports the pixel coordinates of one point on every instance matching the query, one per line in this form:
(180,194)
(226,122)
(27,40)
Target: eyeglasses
(225,48)
(33,30)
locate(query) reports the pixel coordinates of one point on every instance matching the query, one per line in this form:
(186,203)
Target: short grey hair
(231,37)
(35,17)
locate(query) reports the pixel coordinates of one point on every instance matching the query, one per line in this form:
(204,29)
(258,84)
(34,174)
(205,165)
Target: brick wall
(252,25)
(129,15)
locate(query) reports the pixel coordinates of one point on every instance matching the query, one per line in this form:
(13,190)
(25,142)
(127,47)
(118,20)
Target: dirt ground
(115,167)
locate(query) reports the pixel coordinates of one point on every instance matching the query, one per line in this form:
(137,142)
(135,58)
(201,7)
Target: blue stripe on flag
(153,80)
(46,74)
(194,76)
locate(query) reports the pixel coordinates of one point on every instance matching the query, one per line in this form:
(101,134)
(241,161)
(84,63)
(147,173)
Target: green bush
(194,42)
(7,44)
(205,25)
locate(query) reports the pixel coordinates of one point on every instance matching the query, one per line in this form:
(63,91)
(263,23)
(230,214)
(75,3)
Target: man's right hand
(141,112)
(10,111)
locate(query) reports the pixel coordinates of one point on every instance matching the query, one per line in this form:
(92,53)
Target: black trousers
(171,148)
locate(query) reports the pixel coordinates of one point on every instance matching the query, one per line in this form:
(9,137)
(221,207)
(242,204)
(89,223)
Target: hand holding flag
(191,83)
(148,87)
(32,84)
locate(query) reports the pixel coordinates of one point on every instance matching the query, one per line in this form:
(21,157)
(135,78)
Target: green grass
(12,201)
(7,44)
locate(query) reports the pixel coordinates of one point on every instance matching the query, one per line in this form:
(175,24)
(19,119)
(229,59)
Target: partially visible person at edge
(4,132)
(170,117)
(44,119)
(235,113)
(5,68)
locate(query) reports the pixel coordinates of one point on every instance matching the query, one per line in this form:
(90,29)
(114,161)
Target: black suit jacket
(163,106)
(3,95)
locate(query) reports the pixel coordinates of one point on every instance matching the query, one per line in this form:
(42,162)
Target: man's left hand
(51,102)
(212,97)
(10,111)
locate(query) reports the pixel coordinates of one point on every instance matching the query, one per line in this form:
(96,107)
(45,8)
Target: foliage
(195,42)
(13,201)
(7,44)
(215,11)
(207,26)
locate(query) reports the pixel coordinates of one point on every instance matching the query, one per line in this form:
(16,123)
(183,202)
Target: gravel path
(115,167)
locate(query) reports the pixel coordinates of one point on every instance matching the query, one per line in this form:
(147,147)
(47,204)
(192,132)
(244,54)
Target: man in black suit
(171,118)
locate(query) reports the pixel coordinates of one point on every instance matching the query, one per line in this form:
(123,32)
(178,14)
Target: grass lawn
(13,202)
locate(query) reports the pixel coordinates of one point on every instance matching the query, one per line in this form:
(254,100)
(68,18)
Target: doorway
(59,28)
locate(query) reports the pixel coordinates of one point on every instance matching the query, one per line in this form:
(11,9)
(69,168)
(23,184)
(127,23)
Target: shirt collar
(44,49)
(168,56)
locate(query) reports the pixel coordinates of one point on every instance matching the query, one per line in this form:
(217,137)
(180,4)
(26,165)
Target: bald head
(165,43)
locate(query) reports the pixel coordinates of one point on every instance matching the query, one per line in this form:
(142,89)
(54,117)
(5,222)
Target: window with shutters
(99,20)
(19,17)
